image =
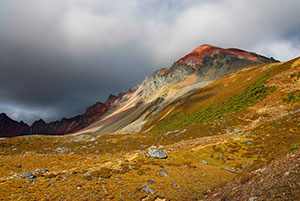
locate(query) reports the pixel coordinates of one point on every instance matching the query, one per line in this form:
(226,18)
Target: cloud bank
(59,56)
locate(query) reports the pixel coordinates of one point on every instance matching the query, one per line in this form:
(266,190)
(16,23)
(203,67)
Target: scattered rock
(253,198)
(174,184)
(43,170)
(147,189)
(204,162)
(40,172)
(88,176)
(167,133)
(150,181)
(163,172)
(286,173)
(249,142)
(28,175)
(262,170)
(62,149)
(157,153)
(30,181)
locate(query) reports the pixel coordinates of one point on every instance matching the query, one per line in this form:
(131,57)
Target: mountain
(197,69)
(11,128)
(76,123)
(129,111)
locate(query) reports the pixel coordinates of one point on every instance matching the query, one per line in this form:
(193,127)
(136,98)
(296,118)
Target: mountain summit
(202,51)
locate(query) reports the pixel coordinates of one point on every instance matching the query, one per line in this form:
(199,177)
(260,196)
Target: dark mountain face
(11,128)
(204,63)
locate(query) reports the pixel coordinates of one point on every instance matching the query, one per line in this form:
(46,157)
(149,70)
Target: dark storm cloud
(58,57)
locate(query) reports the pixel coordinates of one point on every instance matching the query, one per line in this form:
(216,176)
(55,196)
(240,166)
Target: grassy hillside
(255,92)
(226,95)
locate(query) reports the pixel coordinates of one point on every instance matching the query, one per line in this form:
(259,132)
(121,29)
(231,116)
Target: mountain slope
(195,70)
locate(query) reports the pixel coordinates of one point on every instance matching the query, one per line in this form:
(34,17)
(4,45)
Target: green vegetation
(294,147)
(255,92)
(292,97)
(295,75)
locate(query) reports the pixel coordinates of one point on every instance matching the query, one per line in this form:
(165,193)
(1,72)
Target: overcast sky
(59,56)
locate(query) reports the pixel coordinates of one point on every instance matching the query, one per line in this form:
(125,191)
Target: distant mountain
(129,111)
(76,123)
(11,128)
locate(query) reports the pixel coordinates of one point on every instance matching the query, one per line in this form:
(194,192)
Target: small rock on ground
(163,172)
(204,162)
(150,181)
(28,175)
(147,189)
(30,181)
(157,153)
(253,198)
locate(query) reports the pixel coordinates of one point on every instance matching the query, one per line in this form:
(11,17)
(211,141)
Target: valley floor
(260,163)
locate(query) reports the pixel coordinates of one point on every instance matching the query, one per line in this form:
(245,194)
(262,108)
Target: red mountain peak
(201,51)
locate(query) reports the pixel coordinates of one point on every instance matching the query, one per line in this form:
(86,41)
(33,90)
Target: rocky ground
(257,165)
